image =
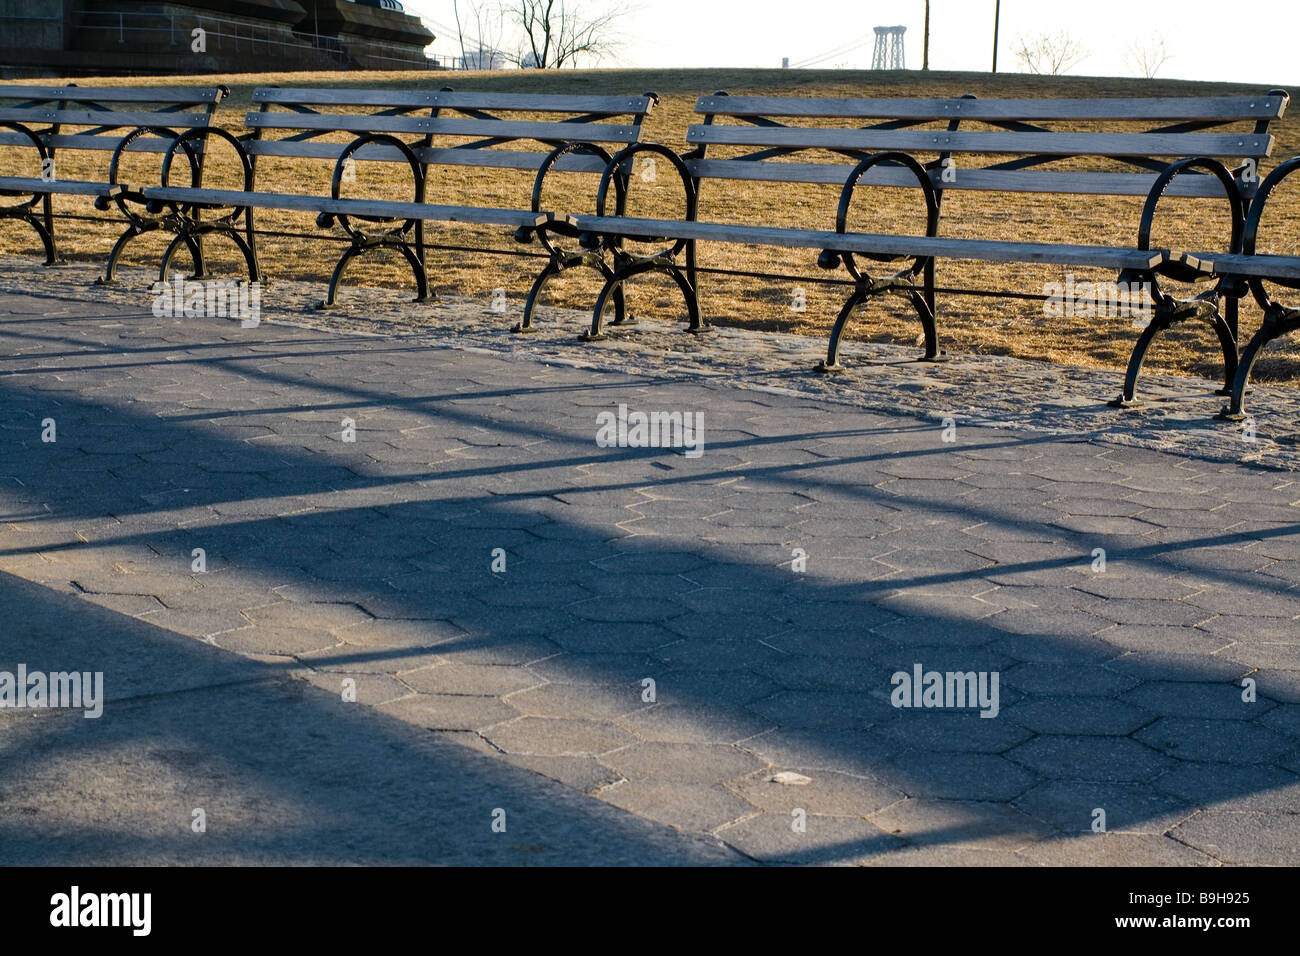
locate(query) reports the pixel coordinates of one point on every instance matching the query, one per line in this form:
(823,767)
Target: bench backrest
(444,127)
(96,118)
(1002,142)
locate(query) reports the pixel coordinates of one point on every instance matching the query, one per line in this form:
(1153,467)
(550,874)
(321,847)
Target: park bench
(415,129)
(1253,270)
(42,121)
(1180,148)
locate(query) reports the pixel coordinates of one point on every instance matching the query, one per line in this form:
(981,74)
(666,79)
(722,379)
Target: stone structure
(80,37)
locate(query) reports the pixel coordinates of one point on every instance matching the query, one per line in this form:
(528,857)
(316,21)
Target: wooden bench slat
(1156,109)
(224,198)
(111,118)
(375,152)
(522,102)
(980,141)
(510,129)
(985,180)
(170,95)
(545,103)
(1109,257)
(106,141)
(70,187)
(1260,265)
(509,159)
(305,96)
(308,149)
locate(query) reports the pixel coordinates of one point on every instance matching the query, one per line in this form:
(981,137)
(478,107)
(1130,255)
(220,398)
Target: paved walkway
(707,643)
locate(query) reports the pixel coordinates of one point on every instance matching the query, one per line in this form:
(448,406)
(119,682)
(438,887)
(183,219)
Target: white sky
(1257,42)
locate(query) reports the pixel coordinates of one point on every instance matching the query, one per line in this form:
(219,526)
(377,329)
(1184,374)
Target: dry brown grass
(967,323)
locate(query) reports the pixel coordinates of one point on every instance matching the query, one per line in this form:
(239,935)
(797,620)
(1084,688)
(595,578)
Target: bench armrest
(830,258)
(1251,238)
(524,234)
(1177,269)
(614,174)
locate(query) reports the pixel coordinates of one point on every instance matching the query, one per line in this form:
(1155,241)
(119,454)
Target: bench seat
(23,185)
(1259,265)
(1118,258)
(230,198)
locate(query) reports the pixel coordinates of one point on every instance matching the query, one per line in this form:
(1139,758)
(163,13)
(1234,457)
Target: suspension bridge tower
(888,54)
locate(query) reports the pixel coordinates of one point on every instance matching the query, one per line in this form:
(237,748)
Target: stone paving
(711,643)
(1043,397)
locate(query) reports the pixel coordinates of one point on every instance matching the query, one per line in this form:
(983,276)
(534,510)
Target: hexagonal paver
(961,824)
(1097,759)
(826,792)
(687,806)
(772,838)
(1071,807)
(369,689)
(821,709)
(403,633)
(578,700)
(681,763)
(1065,680)
(275,641)
(559,737)
(1244,838)
(450,711)
(693,723)
(957,776)
(454,677)
(1078,715)
(1114,849)
(328,617)
(1221,741)
(1147,637)
(1219,701)
(960,732)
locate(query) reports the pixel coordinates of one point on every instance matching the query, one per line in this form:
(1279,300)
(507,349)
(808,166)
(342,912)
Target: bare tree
(558,33)
(478,30)
(1049,53)
(1146,57)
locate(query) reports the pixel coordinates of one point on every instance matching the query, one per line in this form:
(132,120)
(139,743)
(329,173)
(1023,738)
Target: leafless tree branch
(1049,53)
(559,33)
(1146,57)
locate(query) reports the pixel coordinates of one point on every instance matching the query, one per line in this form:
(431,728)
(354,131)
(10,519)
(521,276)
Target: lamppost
(997,15)
(925,48)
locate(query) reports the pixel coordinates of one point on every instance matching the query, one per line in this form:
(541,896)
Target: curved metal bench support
(627,265)
(548,234)
(407,238)
(632,266)
(44,222)
(137,224)
(185,218)
(1169,311)
(900,283)
(1279,319)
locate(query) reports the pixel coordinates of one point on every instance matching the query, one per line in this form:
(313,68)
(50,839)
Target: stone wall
(53,38)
